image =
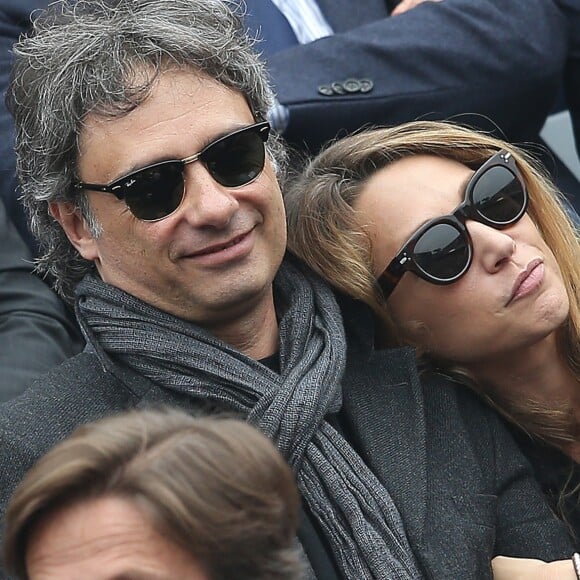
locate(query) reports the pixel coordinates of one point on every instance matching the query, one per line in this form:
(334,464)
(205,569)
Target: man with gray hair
(152,183)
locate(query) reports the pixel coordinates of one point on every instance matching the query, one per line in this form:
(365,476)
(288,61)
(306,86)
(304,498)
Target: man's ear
(75,227)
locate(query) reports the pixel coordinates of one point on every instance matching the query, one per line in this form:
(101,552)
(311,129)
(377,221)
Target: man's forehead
(181,112)
(136,90)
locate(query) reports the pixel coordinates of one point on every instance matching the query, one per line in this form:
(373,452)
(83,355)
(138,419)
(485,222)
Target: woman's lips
(528,281)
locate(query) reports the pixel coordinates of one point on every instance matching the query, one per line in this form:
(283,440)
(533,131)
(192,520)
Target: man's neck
(254,332)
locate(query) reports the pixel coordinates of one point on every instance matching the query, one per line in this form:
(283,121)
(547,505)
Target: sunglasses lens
(499,197)
(237,159)
(155,192)
(442,252)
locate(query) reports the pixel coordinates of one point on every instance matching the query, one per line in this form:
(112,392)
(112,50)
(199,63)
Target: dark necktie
(263,20)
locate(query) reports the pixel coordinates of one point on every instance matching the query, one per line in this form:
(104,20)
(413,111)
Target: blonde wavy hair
(324,231)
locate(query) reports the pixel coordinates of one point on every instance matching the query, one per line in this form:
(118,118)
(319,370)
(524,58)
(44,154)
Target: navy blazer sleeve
(501,59)
(36,331)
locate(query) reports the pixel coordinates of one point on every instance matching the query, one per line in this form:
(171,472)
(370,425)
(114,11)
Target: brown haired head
(215,487)
(326,232)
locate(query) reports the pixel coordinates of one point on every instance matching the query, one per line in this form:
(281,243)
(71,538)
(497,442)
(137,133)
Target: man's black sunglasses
(441,250)
(156,191)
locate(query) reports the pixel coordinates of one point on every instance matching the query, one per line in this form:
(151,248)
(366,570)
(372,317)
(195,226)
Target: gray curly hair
(89,57)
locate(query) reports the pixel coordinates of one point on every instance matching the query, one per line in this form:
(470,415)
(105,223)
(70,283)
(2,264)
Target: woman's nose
(491,246)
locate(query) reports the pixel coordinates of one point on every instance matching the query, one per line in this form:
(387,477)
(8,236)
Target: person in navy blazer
(494,63)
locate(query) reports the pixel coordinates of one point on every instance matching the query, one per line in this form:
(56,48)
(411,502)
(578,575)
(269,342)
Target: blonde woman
(461,246)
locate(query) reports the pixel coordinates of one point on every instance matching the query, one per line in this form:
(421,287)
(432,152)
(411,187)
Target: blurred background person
(157,493)
(37,330)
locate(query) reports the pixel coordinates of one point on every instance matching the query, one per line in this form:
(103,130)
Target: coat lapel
(383,401)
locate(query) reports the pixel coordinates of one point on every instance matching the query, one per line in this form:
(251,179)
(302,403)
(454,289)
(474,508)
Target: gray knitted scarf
(357,514)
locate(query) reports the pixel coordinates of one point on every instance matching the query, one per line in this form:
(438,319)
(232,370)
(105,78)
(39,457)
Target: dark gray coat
(464,492)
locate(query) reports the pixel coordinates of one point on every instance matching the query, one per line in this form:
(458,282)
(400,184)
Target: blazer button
(366,85)
(351,86)
(338,88)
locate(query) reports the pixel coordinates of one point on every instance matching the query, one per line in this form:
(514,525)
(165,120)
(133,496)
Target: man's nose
(207,203)
(491,246)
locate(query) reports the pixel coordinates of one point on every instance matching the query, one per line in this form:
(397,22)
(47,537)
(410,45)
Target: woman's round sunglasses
(156,191)
(441,250)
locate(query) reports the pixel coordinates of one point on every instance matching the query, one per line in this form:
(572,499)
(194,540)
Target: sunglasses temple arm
(390,278)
